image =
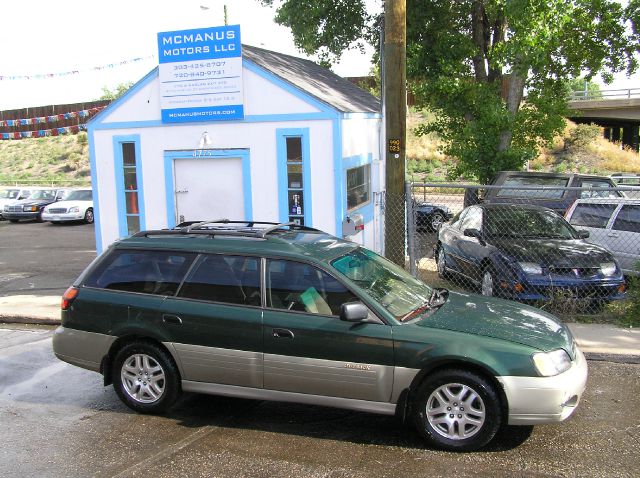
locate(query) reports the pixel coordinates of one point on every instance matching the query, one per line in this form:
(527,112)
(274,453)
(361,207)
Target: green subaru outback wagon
(289,313)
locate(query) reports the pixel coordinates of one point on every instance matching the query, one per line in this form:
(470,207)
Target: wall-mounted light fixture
(205,140)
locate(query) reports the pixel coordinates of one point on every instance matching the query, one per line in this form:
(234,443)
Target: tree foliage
(494,72)
(116,93)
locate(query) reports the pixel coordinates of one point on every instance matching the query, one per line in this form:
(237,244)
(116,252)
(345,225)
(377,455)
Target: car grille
(574,271)
(13,208)
(58,210)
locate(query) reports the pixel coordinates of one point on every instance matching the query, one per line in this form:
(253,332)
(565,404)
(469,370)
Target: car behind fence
(504,241)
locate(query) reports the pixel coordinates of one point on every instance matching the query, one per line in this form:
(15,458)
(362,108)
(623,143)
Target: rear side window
(603,189)
(592,215)
(228,279)
(556,185)
(628,219)
(147,272)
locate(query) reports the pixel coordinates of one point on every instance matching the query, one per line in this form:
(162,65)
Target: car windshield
(82,195)
(9,193)
(524,223)
(43,194)
(389,285)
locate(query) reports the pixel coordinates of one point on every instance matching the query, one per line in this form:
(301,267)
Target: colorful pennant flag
(75,129)
(43,76)
(51,119)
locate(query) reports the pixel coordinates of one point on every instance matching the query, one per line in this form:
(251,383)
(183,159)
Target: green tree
(583,89)
(119,90)
(470,62)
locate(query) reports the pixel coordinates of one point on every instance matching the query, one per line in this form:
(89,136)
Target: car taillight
(68,297)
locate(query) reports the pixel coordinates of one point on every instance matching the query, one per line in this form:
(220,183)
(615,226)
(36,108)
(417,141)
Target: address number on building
(394,145)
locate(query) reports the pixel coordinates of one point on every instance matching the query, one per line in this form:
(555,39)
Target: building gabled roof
(315,80)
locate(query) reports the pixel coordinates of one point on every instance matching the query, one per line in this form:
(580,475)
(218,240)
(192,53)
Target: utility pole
(395,113)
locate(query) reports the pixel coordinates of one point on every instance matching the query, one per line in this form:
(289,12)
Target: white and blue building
(305,148)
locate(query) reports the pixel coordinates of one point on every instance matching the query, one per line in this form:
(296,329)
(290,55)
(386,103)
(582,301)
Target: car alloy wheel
(436,221)
(441,263)
(487,286)
(145,377)
(88,216)
(457,410)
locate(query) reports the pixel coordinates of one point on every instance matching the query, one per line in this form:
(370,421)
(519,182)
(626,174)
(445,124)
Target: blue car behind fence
(526,253)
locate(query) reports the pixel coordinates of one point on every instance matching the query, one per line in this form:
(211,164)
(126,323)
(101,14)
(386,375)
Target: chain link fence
(569,250)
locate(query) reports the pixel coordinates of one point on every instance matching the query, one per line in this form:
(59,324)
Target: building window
(129,172)
(295,178)
(358,186)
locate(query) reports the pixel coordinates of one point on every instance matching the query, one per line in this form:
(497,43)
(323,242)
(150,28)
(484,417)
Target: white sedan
(77,206)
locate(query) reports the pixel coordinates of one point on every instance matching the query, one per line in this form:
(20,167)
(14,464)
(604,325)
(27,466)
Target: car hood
(33,202)
(556,252)
(501,319)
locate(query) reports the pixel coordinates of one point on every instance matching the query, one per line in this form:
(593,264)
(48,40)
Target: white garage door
(208,189)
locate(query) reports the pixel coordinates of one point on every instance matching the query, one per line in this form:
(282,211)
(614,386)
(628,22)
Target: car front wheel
(457,410)
(145,377)
(487,286)
(436,221)
(88,216)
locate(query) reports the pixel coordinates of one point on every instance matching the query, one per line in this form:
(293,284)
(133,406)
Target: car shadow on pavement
(195,411)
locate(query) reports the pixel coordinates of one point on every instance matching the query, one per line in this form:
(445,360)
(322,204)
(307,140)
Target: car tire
(145,377)
(488,282)
(441,263)
(88,216)
(39,217)
(436,220)
(457,410)
(14,220)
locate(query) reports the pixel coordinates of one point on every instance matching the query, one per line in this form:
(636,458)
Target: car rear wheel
(457,410)
(436,221)
(88,216)
(145,377)
(487,286)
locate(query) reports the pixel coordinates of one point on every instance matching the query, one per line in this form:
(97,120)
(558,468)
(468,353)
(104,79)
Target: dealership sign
(201,74)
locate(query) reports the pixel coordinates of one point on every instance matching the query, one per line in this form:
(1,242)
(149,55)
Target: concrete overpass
(617,111)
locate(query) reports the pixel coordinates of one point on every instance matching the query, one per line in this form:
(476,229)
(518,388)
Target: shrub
(584,134)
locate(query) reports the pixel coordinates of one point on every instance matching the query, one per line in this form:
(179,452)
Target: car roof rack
(216,228)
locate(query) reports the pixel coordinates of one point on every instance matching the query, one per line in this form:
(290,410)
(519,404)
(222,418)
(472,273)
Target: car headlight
(30,208)
(552,363)
(74,209)
(608,268)
(530,268)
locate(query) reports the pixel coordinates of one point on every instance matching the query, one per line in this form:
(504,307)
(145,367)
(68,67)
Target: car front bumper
(68,216)
(20,215)
(537,400)
(563,288)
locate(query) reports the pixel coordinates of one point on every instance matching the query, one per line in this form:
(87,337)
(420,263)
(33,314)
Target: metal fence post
(411,230)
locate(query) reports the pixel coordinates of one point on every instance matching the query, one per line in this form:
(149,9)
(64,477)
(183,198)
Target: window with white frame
(358,186)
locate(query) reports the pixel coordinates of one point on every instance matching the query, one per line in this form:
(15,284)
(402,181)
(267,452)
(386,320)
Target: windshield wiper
(437,298)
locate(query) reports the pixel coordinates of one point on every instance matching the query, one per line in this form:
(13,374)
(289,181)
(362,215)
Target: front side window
(304,288)
(472,220)
(592,215)
(147,272)
(358,186)
(628,219)
(386,283)
(226,279)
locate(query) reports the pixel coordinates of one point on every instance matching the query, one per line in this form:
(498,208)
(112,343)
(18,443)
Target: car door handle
(171,319)
(282,334)
(613,234)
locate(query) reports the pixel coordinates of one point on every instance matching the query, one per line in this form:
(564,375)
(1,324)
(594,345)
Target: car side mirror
(583,234)
(354,312)
(474,233)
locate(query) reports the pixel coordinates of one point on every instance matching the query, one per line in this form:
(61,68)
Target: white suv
(612,223)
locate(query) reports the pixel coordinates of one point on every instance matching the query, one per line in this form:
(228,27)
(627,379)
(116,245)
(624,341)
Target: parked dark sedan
(32,207)
(431,216)
(526,253)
